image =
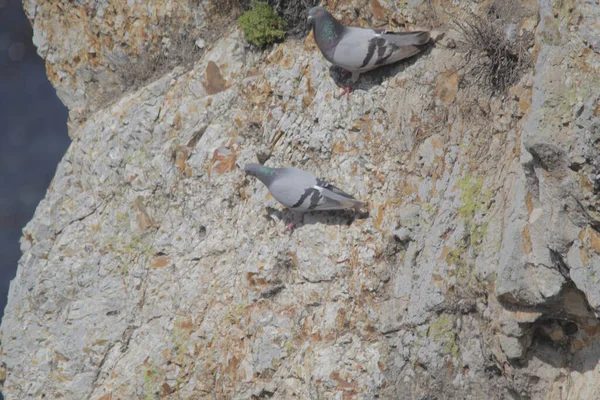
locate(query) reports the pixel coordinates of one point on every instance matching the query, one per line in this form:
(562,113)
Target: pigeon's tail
(355,204)
(416,38)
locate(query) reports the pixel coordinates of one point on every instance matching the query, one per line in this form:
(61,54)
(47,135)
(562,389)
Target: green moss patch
(261,25)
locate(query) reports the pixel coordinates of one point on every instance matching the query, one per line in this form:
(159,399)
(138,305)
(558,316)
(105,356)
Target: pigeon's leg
(292,224)
(348,88)
(345,73)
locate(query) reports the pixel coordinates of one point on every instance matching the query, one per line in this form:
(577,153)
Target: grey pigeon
(299,190)
(360,49)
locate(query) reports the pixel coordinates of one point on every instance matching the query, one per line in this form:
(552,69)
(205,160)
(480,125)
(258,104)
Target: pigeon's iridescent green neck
(267,171)
(328,32)
(265,174)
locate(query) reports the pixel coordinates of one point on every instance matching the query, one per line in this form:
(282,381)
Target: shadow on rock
(565,335)
(341,217)
(338,217)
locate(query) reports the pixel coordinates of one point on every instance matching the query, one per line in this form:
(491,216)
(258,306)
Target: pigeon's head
(264,174)
(316,13)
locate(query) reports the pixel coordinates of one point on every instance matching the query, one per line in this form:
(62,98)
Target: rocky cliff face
(154,269)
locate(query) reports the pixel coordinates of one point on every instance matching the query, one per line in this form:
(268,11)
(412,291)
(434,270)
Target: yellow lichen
(441,331)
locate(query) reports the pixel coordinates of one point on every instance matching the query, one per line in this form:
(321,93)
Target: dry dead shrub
(176,47)
(294,13)
(497,55)
(226,8)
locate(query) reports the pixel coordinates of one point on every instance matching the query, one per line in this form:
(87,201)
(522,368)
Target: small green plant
(262,25)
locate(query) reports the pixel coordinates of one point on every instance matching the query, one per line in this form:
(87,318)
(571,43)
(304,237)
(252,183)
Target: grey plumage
(299,190)
(360,49)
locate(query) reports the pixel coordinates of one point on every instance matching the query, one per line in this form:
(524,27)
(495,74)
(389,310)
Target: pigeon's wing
(404,44)
(363,49)
(326,185)
(354,50)
(414,38)
(300,190)
(333,198)
(294,188)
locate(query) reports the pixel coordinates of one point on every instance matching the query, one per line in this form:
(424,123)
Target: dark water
(33,135)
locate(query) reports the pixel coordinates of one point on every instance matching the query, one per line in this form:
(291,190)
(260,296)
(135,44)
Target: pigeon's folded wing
(363,49)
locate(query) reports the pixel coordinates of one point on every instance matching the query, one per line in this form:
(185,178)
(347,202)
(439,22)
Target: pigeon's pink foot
(346,90)
(290,227)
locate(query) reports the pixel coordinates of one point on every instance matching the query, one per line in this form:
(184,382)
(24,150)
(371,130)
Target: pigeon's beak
(309,19)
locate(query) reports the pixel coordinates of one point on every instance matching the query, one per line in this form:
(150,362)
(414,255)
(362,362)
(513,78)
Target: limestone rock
(154,269)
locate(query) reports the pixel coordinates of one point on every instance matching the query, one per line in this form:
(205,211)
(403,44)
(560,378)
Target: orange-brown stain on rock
(177,122)
(380,214)
(338,147)
(306,100)
(527,246)
(415,120)
(585,182)
(577,344)
(133,178)
(253,72)
(408,189)
(445,251)
(529,203)
(309,43)
(447,86)
(364,125)
(597,109)
(276,56)
(223,160)
(340,319)
(167,389)
(346,386)
(525,101)
(253,280)
(437,280)
(51,72)
(185,324)
(378,11)
(287,62)
(214,81)
(590,240)
(293,257)
(181,155)
(594,240)
(144,219)
(379,176)
(315,336)
(160,262)
(236,355)
(260,92)
(591,330)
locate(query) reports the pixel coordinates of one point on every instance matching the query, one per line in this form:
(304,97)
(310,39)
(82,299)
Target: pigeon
(299,190)
(361,49)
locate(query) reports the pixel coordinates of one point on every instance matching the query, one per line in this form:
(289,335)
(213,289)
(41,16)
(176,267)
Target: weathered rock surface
(154,269)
